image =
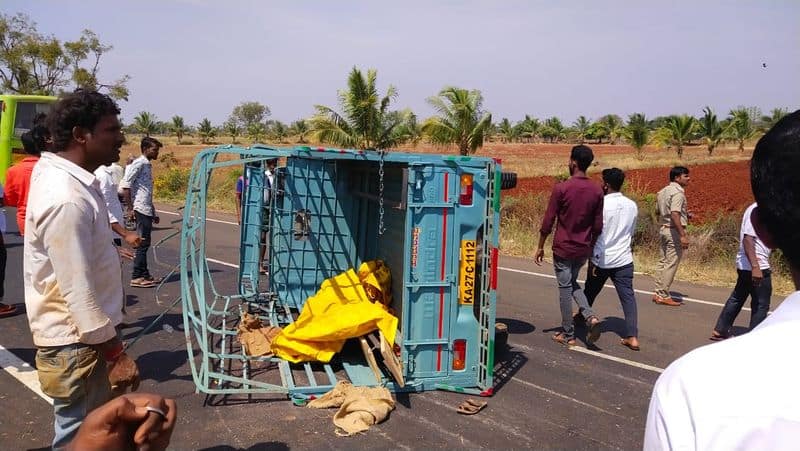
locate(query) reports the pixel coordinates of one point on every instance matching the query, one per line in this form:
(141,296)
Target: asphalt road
(547,396)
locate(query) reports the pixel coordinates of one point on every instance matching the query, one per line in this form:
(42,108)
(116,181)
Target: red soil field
(715,189)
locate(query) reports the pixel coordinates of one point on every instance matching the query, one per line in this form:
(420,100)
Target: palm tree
(205,130)
(581,128)
(529,128)
(365,121)
(178,127)
(256,132)
(278,130)
(553,129)
(741,127)
(506,131)
(710,130)
(677,131)
(461,120)
(145,123)
(299,129)
(612,127)
(231,128)
(768,121)
(637,133)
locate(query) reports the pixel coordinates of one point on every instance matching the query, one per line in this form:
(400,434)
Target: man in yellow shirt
(673,219)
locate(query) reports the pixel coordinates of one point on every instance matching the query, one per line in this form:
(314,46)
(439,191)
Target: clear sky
(200,58)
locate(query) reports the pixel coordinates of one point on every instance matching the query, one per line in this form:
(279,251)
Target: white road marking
(617,359)
(220,262)
(569,398)
(550,276)
(207,219)
(22,371)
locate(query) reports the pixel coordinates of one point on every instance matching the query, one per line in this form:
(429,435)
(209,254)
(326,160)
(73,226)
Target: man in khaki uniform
(673,218)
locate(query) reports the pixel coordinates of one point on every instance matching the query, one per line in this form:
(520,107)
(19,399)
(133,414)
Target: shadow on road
(516,326)
(506,366)
(160,365)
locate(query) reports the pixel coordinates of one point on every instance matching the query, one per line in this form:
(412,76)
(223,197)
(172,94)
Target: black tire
(508,180)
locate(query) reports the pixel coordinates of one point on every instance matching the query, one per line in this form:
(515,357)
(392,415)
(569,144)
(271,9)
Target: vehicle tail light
(459,354)
(465,195)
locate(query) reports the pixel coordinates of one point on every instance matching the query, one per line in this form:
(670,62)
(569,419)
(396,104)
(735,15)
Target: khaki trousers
(671,253)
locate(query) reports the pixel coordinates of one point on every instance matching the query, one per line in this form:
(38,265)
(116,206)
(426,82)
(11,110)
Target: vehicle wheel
(508,180)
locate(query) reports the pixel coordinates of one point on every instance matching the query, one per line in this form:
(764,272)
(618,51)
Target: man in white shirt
(269,183)
(754,279)
(612,255)
(742,393)
(73,287)
(108,187)
(137,192)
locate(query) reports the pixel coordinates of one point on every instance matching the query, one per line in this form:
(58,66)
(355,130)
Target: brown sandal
(7,310)
(561,338)
(625,342)
(716,336)
(471,406)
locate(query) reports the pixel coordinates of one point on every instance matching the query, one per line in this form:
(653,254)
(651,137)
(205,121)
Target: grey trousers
(568,289)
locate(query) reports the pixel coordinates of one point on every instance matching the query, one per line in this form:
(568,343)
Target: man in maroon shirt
(577,206)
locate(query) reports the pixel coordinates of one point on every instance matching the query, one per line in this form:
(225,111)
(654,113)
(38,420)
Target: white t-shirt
(739,394)
(762,251)
(613,247)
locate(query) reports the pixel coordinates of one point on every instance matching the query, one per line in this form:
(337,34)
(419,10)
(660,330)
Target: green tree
(553,130)
(612,127)
(249,113)
(365,121)
(678,131)
(710,130)
(461,121)
(528,128)
(581,128)
(278,131)
(505,131)
(232,128)
(146,123)
(32,63)
(299,129)
(741,126)
(637,133)
(766,122)
(178,127)
(257,132)
(206,131)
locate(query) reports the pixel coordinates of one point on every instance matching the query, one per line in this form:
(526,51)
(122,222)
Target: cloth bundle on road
(255,337)
(342,308)
(359,407)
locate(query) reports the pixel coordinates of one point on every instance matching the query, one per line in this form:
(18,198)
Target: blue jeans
(622,278)
(568,289)
(759,300)
(144,227)
(76,377)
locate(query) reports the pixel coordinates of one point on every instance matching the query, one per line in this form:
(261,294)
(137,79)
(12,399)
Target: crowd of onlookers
(79,212)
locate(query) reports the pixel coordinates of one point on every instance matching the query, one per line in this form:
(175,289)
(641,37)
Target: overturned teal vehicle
(434,221)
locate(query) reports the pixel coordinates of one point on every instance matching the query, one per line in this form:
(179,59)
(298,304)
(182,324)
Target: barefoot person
(576,210)
(612,256)
(674,216)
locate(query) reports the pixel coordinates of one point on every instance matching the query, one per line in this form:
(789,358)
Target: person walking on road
(673,219)
(612,256)
(137,192)
(753,279)
(73,287)
(576,210)
(702,401)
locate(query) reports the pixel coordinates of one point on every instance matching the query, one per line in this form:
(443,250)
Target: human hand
(125,421)
(757,276)
(123,373)
(132,239)
(538,257)
(125,253)
(684,242)
(156,219)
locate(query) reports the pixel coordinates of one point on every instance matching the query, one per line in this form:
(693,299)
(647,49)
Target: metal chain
(381,228)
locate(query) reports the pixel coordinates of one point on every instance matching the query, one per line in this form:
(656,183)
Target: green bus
(16,116)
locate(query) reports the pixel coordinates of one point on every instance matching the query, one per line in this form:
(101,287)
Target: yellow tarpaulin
(341,309)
